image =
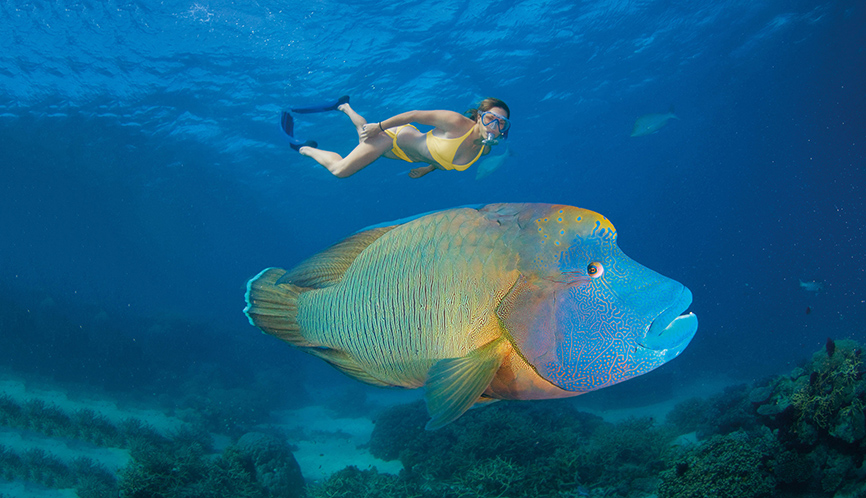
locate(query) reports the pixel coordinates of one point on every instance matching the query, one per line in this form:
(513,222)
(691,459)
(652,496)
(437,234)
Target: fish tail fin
(273,307)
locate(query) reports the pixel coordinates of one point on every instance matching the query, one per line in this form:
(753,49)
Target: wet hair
(486,105)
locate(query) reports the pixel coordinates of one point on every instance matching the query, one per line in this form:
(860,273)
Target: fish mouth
(672,330)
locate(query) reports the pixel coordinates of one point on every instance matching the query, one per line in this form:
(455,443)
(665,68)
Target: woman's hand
(370,131)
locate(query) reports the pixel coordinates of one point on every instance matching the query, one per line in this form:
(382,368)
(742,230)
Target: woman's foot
(297,145)
(419,172)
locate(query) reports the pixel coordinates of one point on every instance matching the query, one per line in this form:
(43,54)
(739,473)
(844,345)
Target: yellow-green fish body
(420,293)
(475,304)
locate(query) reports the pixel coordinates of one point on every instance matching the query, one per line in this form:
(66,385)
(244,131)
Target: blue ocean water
(145,177)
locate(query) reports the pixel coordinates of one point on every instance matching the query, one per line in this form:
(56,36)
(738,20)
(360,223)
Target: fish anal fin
(348,365)
(484,401)
(455,384)
(327,268)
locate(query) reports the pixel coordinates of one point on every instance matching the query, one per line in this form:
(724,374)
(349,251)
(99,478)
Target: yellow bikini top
(443,150)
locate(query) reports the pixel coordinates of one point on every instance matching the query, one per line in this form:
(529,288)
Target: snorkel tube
(490,140)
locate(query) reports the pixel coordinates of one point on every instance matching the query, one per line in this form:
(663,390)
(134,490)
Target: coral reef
(89,479)
(797,435)
(272,464)
(726,466)
(183,466)
(84,424)
(829,395)
(724,413)
(522,450)
(354,483)
(180,464)
(803,433)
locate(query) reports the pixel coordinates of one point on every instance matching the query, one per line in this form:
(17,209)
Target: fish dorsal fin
(327,268)
(455,384)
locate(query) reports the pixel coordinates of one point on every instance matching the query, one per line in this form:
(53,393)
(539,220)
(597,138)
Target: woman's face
(494,121)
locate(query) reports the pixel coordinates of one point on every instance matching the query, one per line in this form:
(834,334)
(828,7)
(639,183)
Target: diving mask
(502,123)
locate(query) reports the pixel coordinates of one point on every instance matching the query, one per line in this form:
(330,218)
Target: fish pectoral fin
(327,268)
(455,384)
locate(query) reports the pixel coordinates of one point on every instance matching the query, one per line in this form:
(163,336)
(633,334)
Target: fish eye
(595,269)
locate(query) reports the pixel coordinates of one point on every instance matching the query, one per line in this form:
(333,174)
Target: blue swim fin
(323,107)
(288,125)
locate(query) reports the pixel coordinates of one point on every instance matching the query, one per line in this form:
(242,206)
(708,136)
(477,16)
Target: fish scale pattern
(425,291)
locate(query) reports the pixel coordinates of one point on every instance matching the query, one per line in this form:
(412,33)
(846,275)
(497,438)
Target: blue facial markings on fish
(599,347)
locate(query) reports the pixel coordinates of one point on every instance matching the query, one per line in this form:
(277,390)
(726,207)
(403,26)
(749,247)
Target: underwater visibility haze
(146,179)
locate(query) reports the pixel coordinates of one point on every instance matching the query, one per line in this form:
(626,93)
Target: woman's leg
(360,157)
(364,154)
(356,118)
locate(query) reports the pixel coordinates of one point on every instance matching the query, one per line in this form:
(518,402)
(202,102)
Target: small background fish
(651,123)
(812,285)
(491,163)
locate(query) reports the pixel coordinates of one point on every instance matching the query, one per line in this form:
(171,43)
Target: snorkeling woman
(456,141)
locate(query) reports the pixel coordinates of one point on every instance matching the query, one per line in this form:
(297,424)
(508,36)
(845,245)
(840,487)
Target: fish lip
(672,329)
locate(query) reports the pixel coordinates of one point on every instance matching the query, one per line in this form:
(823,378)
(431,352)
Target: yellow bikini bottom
(396,148)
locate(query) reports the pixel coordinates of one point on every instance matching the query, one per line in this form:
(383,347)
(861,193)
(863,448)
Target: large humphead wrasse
(504,301)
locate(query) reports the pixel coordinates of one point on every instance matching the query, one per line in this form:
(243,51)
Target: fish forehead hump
(561,226)
(535,215)
(551,233)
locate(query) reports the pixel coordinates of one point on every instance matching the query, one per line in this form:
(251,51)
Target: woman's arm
(446,120)
(437,119)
